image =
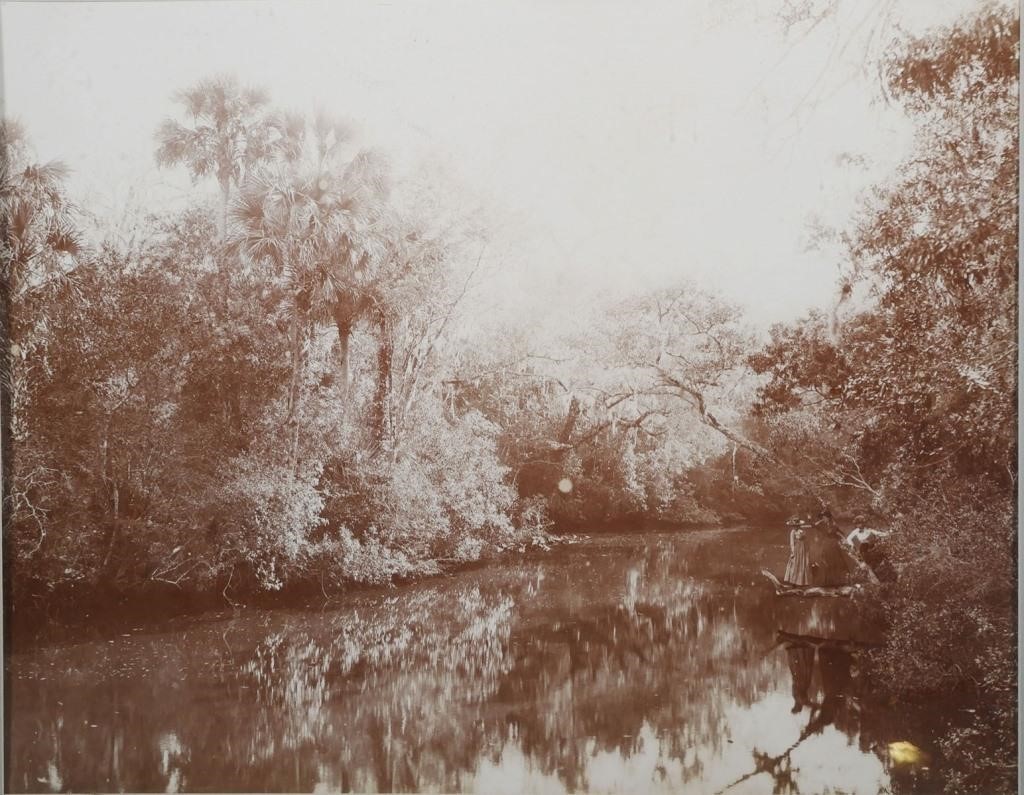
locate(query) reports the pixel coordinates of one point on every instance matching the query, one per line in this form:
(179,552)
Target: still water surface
(643,663)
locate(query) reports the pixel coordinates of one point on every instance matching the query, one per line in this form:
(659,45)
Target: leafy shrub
(271,514)
(953,624)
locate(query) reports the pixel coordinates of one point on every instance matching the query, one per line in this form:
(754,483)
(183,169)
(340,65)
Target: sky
(611,145)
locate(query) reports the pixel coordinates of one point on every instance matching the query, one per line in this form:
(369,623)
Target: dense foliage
(244,405)
(276,391)
(914,382)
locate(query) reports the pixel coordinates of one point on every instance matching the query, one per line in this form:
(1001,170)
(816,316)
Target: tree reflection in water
(833,660)
(641,664)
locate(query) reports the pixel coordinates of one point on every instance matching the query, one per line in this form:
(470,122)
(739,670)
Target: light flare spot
(904,753)
(565,485)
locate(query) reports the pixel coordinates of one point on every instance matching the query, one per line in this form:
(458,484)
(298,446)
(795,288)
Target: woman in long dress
(798,569)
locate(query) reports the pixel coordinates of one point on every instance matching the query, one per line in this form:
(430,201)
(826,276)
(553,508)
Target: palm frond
(201,163)
(255,96)
(246,211)
(64,238)
(174,142)
(291,128)
(45,179)
(20,216)
(368,175)
(195,99)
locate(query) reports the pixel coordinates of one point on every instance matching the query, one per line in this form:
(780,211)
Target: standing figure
(798,569)
(830,566)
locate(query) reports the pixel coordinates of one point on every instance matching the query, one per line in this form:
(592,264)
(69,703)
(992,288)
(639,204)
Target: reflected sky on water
(650,663)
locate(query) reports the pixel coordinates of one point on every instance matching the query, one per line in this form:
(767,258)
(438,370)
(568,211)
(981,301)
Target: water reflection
(821,672)
(633,664)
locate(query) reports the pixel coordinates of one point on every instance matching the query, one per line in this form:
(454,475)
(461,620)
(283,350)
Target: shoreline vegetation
(46,617)
(43,616)
(279,391)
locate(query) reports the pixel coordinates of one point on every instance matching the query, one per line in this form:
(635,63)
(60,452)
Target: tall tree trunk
(571,417)
(344,325)
(222,219)
(292,422)
(108,478)
(112,530)
(6,403)
(380,418)
(564,444)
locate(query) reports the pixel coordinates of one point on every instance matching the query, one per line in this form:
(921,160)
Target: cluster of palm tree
(40,240)
(231,130)
(40,236)
(296,197)
(40,245)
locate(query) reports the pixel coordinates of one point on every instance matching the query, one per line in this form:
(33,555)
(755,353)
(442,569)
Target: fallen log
(787,589)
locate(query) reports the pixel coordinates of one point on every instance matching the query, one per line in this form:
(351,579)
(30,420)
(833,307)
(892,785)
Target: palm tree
(363,254)
(39,246)
(313,220)
(230,131)
(344,280)
(39,237)
(334,213)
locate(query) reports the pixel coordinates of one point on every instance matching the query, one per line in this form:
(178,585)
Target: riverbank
(665,640)
(81,610)
(76,610)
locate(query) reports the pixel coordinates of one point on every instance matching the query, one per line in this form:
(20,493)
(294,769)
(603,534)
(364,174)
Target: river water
(624,663)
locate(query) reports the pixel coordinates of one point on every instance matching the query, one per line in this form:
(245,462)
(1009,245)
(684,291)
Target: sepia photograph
(510,396)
